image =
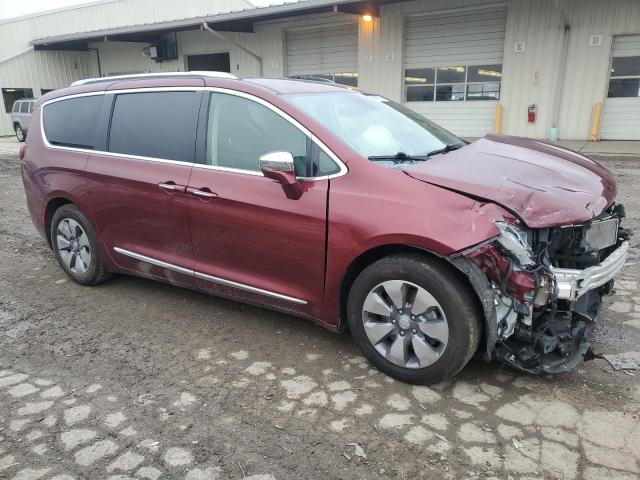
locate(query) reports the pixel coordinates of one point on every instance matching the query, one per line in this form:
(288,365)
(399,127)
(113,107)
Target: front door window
(240,131)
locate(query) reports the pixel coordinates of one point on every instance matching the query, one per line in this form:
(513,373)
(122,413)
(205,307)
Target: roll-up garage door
(329,52)
(453,68)
(621,113)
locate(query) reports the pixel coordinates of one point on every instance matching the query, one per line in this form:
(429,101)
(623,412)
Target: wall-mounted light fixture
(367,18)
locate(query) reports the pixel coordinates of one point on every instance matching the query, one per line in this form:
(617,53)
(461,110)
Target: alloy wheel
(405,324)
(73,246)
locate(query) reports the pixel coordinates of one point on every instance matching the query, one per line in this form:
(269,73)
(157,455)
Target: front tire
(76,247)
(414,319)
(20,135)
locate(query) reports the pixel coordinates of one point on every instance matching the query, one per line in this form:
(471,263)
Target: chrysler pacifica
(334,205)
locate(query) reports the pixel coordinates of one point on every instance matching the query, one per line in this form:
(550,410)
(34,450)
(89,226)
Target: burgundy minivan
(334,205)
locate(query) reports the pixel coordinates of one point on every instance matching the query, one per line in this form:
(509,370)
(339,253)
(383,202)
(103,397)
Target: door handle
(172,187)
(202,193)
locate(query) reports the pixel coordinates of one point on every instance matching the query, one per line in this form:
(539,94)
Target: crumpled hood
(541,183)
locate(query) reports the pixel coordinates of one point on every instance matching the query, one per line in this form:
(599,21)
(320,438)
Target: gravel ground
(136,379)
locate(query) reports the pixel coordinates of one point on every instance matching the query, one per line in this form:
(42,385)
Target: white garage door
(621,113)
(330,52)
(453,68)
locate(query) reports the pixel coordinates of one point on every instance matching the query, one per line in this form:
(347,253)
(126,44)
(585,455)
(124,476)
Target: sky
(17,8)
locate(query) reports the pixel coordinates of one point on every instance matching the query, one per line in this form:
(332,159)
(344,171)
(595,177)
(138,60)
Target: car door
(250,240)
(137,185)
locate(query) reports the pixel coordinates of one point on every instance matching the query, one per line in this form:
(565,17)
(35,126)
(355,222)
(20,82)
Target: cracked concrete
(136,379)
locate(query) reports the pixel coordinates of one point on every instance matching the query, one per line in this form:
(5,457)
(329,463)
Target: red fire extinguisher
(531,113)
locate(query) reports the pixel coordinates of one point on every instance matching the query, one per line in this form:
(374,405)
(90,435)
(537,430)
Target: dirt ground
(136,379)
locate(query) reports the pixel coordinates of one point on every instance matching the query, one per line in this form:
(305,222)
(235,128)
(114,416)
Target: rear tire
(20,135)
(76,246)
(414,319)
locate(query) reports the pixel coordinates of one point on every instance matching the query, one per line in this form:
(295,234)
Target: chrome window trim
(343,170)
(204,276)
(254,173)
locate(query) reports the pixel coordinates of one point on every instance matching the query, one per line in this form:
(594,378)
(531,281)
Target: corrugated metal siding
(268,42)
(118,13)
(380,55)
(126,57)
(621,116)
(529,77)
(466,38)
(323,50)
(587,74)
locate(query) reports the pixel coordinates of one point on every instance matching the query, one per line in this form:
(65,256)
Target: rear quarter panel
(50,173)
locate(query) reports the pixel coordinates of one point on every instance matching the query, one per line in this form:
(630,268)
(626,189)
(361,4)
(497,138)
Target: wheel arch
(456,268)
(52,205)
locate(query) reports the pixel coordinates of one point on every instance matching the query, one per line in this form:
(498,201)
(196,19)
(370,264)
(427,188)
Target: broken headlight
(515,243)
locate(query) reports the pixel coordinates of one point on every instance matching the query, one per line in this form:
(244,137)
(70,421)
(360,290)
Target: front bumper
(572,283)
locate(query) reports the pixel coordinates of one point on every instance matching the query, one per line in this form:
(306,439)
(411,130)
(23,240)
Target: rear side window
(24,108)
(155,124)
(16,107)
(72,122)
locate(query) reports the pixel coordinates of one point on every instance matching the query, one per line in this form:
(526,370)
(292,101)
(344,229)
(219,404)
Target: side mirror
(280,166)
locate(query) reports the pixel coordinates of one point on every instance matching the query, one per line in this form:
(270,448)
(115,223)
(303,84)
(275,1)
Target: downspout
(557,99)
(206,27)
(97,58)
(17,54)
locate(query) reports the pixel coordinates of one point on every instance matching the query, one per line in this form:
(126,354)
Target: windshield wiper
(399,157)
(448,148)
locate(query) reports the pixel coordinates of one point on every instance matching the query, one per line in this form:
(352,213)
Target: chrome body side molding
(204,276)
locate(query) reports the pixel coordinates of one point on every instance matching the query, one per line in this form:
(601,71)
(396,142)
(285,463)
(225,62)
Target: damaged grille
(585,245)
(548,285)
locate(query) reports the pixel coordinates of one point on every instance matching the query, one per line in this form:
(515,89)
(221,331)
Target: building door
(453,68)
(209,62)
(330,52)
(621,113)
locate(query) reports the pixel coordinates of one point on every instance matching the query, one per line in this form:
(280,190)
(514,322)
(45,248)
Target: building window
(456,83)
(343,78)
(625,77)
(10,95)
(44,91)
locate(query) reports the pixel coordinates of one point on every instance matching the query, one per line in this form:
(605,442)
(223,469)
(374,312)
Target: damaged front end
(546,287)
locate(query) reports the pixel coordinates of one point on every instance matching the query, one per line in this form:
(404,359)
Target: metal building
(540,68)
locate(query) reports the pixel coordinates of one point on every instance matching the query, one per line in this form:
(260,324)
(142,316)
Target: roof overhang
(241,21)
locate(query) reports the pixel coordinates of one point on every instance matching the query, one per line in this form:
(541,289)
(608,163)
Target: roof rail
(146,76)
(311,78)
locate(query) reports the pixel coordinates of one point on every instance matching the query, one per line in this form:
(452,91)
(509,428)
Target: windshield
(374,126)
